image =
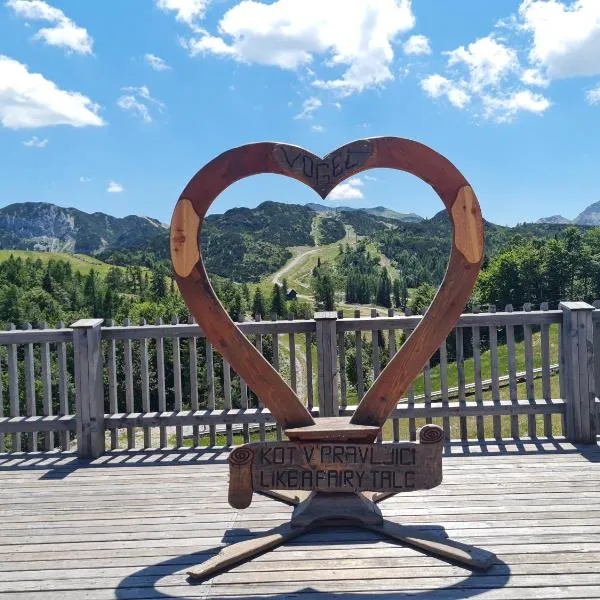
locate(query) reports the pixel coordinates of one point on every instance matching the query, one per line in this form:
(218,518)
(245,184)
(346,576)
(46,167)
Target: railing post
(327,363)
(578,363)
(89,392)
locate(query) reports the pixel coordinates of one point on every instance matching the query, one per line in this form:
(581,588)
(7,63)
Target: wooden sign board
(336,467)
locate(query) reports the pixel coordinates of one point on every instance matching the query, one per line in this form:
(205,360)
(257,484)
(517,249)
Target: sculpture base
(319,509)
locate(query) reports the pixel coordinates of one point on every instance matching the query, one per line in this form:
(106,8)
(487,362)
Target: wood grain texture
(185,226)
(322,175)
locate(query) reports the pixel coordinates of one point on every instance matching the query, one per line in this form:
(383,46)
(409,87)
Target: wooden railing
(499,376)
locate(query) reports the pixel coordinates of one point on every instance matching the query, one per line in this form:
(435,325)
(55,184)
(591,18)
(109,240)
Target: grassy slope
(79,262)
(299,275)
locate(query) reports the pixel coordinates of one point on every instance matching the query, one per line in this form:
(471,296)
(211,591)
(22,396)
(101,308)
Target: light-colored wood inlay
(184,238)
(468,225)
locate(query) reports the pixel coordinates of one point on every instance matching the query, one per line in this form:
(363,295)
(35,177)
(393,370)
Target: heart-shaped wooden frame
(322,175)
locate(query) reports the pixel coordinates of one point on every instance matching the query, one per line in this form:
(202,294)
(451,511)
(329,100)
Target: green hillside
(79,262)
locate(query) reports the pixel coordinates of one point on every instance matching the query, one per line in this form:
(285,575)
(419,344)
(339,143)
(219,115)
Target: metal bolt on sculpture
(331,469)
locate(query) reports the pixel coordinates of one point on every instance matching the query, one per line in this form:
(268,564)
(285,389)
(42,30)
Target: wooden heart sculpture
(322,175)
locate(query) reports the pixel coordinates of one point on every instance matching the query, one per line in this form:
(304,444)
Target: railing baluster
(275,344)
(529,386)
(210,401)
(427,388)
(493,333)
(63,388)
(375,355)
(177,383)
(309,371)
(360,384)
(30,390)
(244,404)
(444,385)
(193,357)
(259,346)
(342,364)
(460,371)
(227,399)
(46,373)
(412,424)
(160,380)
(479,423)
(292,351)
(129,386)
(13,388)
(546,389)
(145,383)
(112,387)
(392,352)
(512,371)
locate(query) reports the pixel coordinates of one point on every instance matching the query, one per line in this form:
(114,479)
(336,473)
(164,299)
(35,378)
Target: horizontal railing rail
(94,387)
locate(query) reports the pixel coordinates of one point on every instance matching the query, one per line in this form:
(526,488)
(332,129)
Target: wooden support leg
(242,551)
(445,548)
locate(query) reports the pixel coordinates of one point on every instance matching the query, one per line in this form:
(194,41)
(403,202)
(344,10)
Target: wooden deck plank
(126,528)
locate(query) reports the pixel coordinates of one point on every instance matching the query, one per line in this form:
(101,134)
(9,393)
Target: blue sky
(112,106)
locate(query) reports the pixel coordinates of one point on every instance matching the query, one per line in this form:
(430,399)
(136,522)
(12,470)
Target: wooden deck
(128,525)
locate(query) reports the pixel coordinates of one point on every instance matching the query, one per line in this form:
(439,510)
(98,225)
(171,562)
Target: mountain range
(246,244)
(376,211)
(589,216)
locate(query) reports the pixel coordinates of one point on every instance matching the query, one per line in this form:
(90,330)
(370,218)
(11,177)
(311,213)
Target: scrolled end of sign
(431,434)
(240,477)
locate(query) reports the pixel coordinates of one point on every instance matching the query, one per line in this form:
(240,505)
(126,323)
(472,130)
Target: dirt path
(292,264)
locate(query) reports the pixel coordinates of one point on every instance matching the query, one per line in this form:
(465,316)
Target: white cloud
(417,44)
(64,33)
(593,96)
(534,77)
(114,187)
(565,36)
(308,107)
(503,109)
(318,128)
(487,61)
(369,178)
(437,86)
(188,11)
(83,179)
(30,100)
(356,40)
(133,101)
(130,103)
(487,74)
(36,142)
(349,190)
(156,62)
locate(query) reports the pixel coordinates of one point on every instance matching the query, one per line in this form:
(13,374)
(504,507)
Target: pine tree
(277,304)
(284,288)
(246,292)
(236,307)
(325,292)
(159,284)
(396,293)
(258,303)
(383,289)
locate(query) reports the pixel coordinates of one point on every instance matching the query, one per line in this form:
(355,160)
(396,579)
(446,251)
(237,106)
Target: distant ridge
(555,220)
(47,227)
(376,211)
(590,216)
